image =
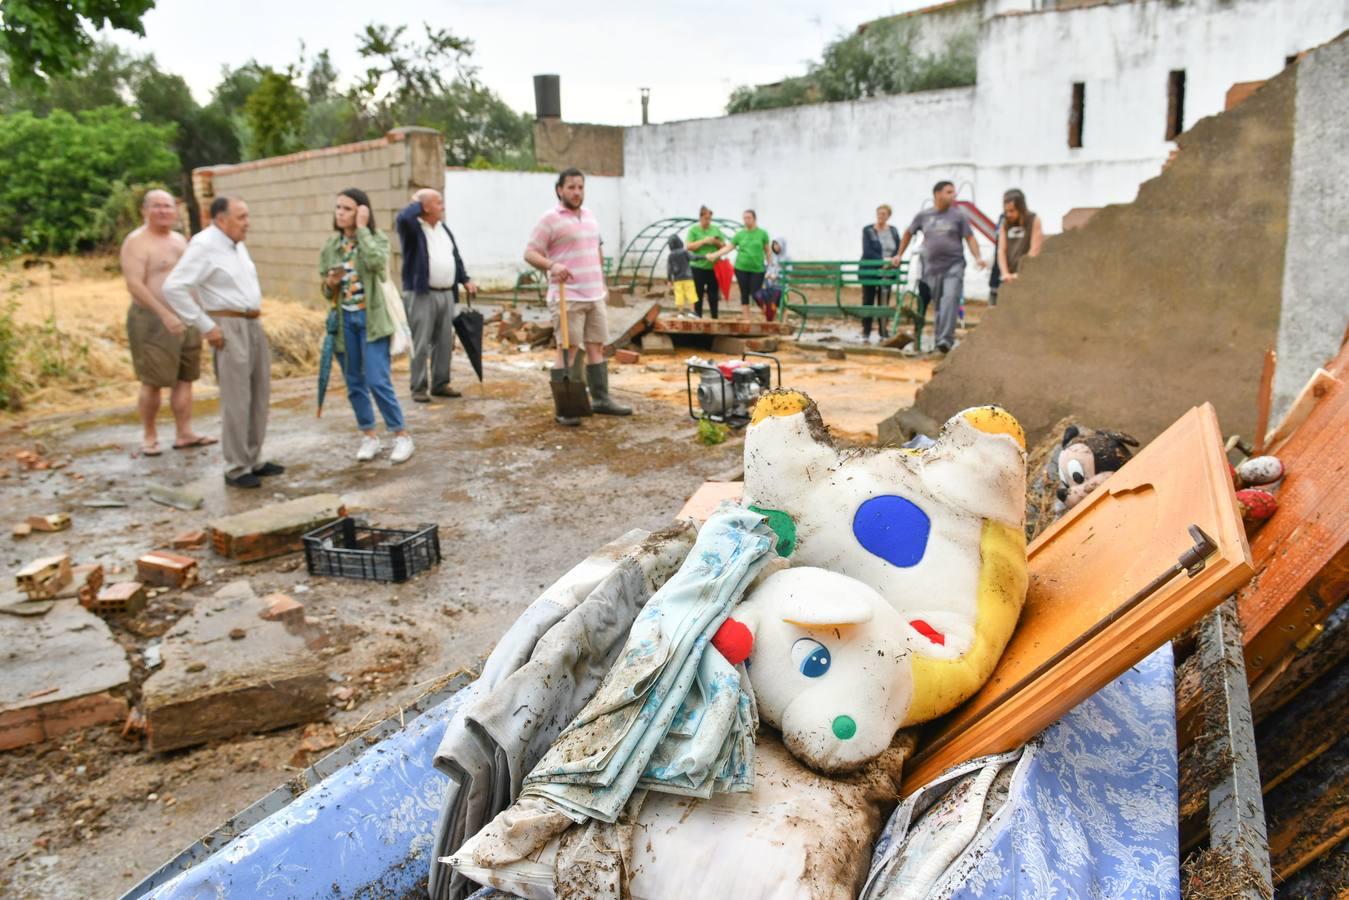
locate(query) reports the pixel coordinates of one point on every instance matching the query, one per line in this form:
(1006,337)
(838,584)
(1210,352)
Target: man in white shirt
(432,274)
(217,268)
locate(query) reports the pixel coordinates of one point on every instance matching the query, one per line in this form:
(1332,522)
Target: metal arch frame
(645,250)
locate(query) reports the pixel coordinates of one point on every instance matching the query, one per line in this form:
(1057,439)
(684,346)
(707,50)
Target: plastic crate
(351,548)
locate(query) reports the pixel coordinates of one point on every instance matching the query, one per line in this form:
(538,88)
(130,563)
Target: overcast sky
(690,55)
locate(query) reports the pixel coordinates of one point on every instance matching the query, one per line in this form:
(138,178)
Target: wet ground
(518,501)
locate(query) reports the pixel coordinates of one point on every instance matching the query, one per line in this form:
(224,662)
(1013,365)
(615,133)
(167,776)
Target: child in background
(681,276)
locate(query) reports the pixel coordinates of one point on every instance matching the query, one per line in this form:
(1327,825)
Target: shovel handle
(562,316)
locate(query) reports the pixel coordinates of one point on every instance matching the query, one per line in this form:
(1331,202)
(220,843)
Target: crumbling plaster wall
(1316,262)
(1151,307)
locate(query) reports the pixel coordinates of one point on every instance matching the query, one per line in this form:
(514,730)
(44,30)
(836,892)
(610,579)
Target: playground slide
(978,220)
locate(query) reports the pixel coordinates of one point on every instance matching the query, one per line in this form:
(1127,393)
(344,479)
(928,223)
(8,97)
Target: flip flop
(151,449)
(201,441)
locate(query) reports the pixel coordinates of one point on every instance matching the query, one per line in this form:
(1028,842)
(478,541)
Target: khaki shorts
(587,323)
(160,359)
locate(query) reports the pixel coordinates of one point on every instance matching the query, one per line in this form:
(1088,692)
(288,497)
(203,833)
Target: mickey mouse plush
(1087,459)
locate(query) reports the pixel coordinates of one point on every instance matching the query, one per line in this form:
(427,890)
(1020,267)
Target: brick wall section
(290,199)
(594,149)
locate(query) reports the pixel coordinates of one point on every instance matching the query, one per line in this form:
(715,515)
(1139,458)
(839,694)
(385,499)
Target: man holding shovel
(566,244)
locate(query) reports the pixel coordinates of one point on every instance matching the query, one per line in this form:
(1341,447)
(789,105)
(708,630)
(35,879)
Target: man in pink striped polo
(566,244)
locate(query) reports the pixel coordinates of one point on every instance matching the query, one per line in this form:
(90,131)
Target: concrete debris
(212,687)
(21,530)
(273,530)
(628,323)
(62,672)
(189,540)
(175,497)
(281,608)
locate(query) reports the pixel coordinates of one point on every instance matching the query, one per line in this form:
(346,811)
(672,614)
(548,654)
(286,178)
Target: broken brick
(53,522)
(627,357)
(43,578)
(189,540)
(21,530)
(167,570)
(283,608)
(121,598)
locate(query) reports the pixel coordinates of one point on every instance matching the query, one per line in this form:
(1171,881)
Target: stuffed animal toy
(1087,459)
(908,575)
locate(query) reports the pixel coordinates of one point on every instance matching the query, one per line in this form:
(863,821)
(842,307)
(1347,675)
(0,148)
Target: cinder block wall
(290,199)
(594,149)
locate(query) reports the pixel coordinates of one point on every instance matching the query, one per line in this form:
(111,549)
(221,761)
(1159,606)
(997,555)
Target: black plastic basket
(350,548)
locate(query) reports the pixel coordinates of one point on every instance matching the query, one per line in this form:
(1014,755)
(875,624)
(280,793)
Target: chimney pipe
(547,97)
(646,103)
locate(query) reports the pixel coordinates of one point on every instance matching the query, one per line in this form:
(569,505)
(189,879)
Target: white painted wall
(816,173)
(492,214)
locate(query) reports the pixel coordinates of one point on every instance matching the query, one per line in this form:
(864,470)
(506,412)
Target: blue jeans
(366,368)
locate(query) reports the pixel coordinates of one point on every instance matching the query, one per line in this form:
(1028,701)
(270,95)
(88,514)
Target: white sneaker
(402,449)
(370,447)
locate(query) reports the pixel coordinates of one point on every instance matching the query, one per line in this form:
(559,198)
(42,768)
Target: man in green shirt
(751,246)
(703,240)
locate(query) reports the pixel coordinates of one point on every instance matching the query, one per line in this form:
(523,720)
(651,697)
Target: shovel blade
(571,398)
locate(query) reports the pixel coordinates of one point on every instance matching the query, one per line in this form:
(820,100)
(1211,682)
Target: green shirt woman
(703,240)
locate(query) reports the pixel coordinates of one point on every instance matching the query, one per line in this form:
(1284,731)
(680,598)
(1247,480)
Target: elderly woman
(702,241)
(880,241)
(353,264)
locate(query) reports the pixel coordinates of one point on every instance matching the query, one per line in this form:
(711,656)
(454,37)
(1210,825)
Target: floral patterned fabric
(1091,812)
(1091,809)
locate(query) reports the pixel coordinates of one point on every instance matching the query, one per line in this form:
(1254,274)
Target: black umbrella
(468,325)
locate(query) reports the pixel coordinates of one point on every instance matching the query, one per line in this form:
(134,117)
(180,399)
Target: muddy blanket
(538,678)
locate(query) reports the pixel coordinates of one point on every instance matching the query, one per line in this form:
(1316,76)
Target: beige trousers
(243,369)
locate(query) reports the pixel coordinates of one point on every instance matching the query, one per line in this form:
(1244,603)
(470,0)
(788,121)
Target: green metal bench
(799,275)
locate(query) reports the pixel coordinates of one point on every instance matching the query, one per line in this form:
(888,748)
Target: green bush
(59,173)
(9,359)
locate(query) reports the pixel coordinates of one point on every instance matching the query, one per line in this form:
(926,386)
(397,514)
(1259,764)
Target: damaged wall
(290,199)
(1151,307)
(1316,263)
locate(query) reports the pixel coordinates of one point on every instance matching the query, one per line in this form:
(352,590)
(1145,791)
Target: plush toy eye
(1075,470)
(810,657)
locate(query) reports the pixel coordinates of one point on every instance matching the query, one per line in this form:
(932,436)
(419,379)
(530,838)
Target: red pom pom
(1256,505)
(734,641)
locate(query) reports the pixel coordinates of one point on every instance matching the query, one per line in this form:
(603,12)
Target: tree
(59,174)
(47,38)
(876,61)
(275,113)
(104,78)
(400,74)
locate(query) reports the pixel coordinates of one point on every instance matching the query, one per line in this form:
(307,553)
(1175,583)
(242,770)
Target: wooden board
(1308,815)
(1075,635)
(708,497)
(275,529)
(1302,552)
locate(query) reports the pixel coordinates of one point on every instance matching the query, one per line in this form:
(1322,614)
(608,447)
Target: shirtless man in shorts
(164,352)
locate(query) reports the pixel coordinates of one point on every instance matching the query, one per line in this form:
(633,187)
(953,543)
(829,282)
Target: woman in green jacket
(352,265)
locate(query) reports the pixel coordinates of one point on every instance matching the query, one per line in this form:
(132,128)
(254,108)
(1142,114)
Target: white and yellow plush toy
(908,575)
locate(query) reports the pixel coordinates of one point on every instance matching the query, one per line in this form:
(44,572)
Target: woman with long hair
(352,265)
(1019,235)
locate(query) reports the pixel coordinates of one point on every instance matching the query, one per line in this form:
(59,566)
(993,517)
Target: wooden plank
(1077,632)
(1264,399)
(1309,815)
(1307,537)
(1304,729)
(1312,660)
(708,497)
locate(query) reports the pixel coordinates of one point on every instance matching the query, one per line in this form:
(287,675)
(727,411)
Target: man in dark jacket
(432,273)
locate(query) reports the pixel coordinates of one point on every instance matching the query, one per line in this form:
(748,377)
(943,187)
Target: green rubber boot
(597,376)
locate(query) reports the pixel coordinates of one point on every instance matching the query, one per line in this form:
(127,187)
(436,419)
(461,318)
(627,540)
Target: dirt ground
(518,501)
